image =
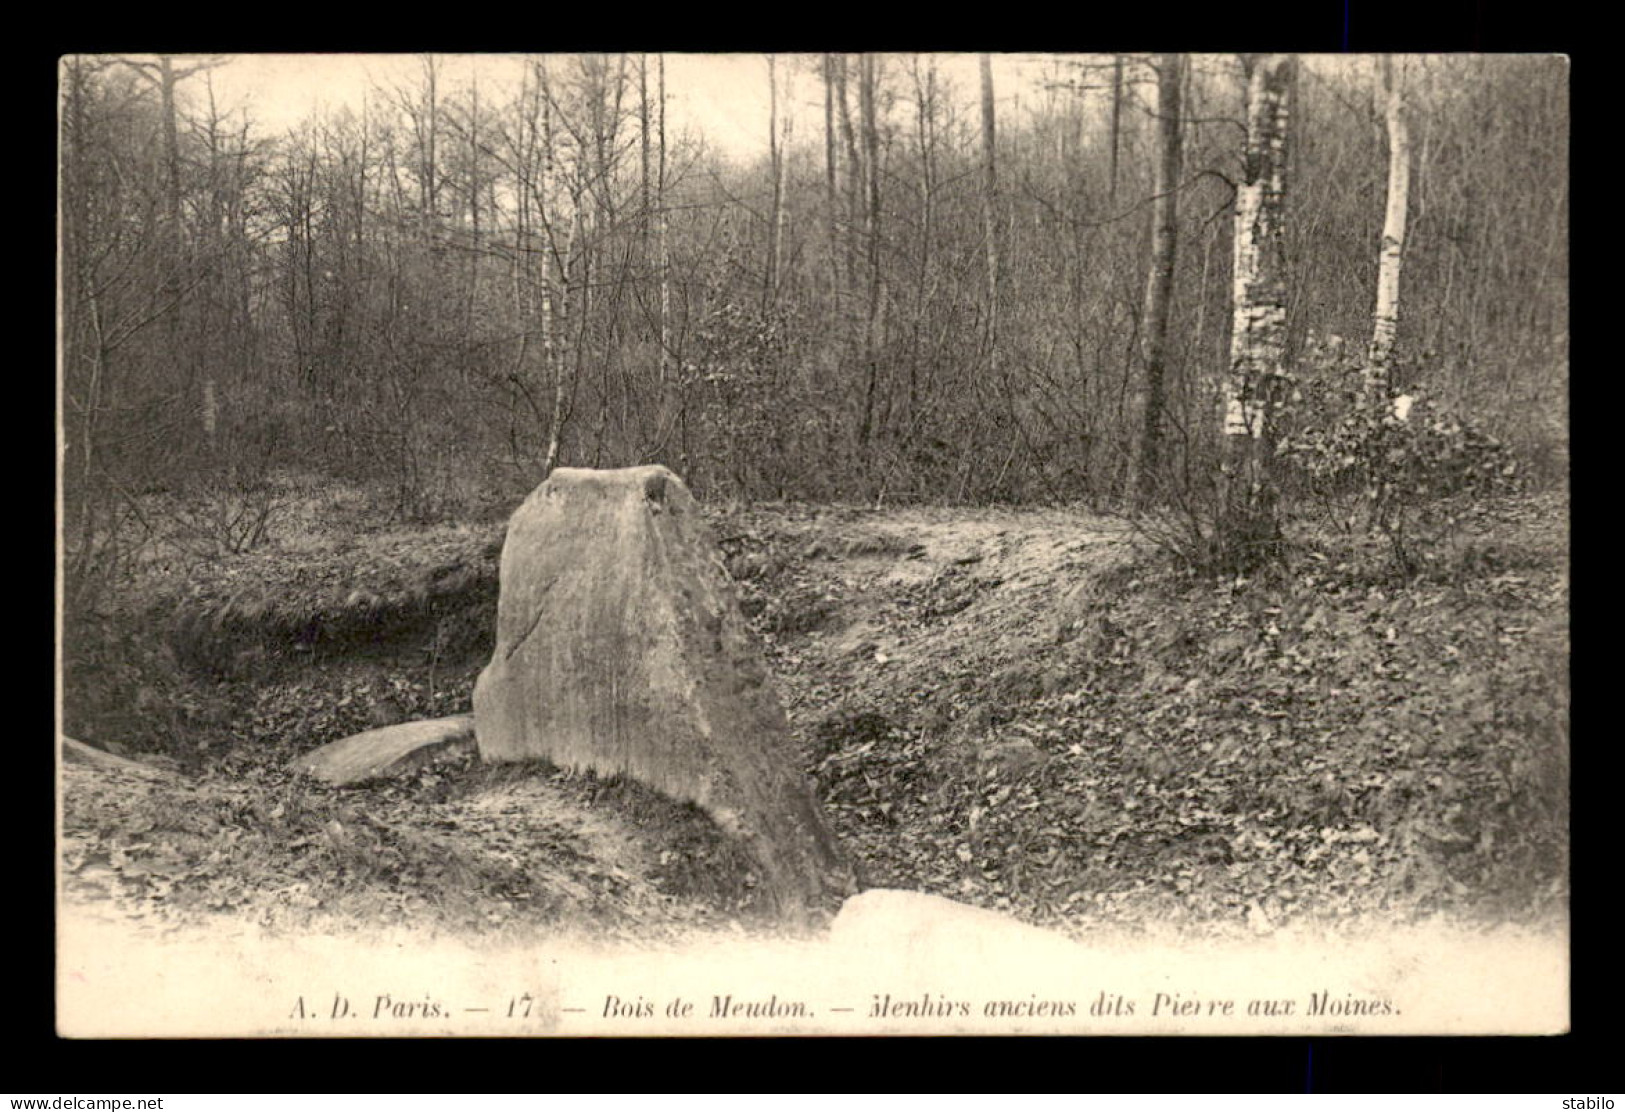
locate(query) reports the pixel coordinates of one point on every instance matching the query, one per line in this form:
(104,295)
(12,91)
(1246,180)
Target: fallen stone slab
(80,753)
(390,751)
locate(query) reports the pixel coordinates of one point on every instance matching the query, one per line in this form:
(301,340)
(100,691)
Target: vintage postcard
(859,544)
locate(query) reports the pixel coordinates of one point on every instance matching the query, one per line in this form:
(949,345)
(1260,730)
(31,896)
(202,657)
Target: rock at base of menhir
(621,649)
(390,751)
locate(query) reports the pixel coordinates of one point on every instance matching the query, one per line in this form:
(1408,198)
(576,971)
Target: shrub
(1404,468)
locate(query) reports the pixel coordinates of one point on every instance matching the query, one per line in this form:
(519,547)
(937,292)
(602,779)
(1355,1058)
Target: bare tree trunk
(79,389)
(165,77)
(519,273)
(551,357)
(1385,319)
(787,123)
(361,186)
(926,108)
(522,284)
(646,258)
(429,188)
(990,195)
(1079,280)
(665,255)
(172,199)
(770,286)
(544,201)
(212,331)
(854,173)
(1249,533)
(832,193)
(608,156)
(644,220)
(1160,281)
(1117,120)
(584,233)
(556,434)
(472,306)
(867,95)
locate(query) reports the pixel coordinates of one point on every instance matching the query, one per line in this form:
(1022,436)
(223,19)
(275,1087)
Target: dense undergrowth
(1029,711)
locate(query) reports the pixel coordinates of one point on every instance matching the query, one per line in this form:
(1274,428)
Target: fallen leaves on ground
(1018,709)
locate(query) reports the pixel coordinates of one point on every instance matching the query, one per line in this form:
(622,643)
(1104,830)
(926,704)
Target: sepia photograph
(660,544)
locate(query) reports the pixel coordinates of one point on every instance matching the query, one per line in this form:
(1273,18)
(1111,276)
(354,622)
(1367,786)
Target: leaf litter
(1022,710)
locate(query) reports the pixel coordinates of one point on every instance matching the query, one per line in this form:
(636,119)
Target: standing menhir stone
(621,649)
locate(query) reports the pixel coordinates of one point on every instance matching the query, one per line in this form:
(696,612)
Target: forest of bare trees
(924,291)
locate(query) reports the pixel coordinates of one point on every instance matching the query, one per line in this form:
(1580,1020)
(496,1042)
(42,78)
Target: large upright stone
(620,648)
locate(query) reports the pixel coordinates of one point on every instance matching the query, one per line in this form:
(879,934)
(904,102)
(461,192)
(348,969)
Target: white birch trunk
(1385,318)
(1254,385)
(1258,293)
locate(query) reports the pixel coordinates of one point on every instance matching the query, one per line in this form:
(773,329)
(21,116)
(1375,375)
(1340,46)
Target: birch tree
(1385,318)
(1248,532)
(560,263)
